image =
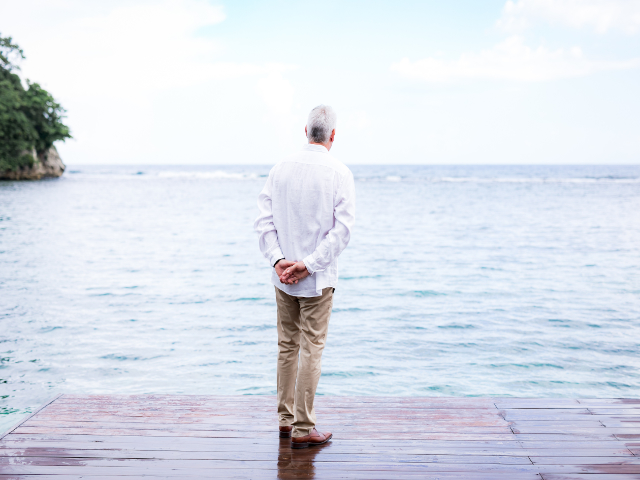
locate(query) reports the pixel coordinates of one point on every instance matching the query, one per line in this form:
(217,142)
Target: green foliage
(45,115)
(8,49)
(17,133)
(29,117)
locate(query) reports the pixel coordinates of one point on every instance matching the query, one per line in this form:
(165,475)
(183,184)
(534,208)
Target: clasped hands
(291,272)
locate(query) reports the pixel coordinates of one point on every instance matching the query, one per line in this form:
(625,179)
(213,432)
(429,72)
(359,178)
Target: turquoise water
(520,281)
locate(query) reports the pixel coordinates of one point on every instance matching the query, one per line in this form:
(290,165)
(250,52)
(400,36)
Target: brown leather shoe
(314,438)
(285,432)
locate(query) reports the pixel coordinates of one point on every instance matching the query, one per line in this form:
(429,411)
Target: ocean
(459,281)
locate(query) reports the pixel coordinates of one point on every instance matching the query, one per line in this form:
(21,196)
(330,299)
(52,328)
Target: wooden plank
(566,444)
(539,414)
(319,403)
(614,411)
(608,469)
(269,415)
(519,424)
(269,401)
(336,448)
(254,474)
(589,476)
(611,401)
(254,412)
(339,443)
(566,430)
(270,441)
(578,452)
(8,456)
(369,455)
(345,405)
(585,460)
(573,419)
(615,423)
(548,438)
(22,465)
(635,419)
(546,403)
(258,411)
(482,427)
(269,420)
(44,465)
(342,400)
(244,434)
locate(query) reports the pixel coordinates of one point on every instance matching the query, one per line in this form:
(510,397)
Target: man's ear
(333,134)
(305,131)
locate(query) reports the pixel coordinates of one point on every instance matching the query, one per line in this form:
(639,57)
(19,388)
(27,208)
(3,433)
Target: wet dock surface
(175,436)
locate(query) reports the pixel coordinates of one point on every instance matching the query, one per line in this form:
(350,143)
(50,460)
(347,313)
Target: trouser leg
(288,347)
(314,325)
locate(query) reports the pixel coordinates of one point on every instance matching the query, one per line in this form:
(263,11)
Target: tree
(45,115)
(30,118)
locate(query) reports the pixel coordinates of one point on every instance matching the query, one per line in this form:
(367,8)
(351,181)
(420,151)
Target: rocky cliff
(45,164)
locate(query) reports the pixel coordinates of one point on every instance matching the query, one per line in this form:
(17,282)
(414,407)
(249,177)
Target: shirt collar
(316,148)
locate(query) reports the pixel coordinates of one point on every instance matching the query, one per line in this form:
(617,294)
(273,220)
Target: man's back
(312,199)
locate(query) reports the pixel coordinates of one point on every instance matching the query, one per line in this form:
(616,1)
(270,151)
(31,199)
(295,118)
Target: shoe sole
(285,434)
(309,444)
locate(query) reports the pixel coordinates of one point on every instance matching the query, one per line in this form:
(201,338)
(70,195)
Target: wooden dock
(172,436)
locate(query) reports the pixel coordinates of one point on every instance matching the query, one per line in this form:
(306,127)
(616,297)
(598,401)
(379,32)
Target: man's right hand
(294,273)
(281,266)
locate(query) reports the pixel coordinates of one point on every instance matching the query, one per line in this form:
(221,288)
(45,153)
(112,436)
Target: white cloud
(120,67)
(130,51)
(601,15)
(278,94)
(358,121)
(508,60)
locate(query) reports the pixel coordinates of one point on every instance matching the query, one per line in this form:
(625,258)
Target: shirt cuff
(312,266)
(275,256)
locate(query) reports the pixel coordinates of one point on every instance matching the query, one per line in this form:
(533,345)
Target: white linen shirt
(307,212)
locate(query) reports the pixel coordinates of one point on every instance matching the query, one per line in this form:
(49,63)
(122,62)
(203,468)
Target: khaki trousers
(303,324)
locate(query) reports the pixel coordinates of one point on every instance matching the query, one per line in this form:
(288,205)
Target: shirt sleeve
(337,239)
(268,241)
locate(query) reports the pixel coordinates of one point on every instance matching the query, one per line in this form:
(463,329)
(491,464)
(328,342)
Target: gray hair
(322,120)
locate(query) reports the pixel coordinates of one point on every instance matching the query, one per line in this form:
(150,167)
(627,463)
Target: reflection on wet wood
(179,436)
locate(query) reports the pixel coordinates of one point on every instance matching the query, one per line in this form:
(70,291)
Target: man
(307,211)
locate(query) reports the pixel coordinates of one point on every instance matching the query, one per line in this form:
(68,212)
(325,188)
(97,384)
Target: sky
(413,82)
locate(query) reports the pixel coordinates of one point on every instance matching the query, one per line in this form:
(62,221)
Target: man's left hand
(281,266)
(294,273)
